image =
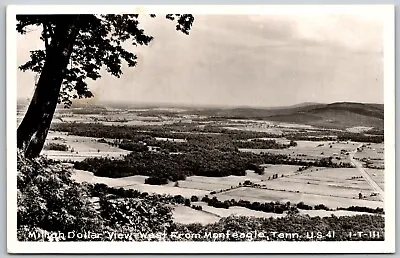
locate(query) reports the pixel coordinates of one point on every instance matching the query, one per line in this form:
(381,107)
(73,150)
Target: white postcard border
(14,246)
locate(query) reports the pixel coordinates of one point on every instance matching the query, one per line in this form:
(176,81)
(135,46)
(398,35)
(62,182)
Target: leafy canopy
(99,43)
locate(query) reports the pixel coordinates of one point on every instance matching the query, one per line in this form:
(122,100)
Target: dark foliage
(197,207)
(194,198)
(100,41)
(358,137)
(303,206)
(50,200)
(321,207)
(136,133)
(132,146)
(332,228)
(156,181)
(56,146)
(363,209)
(260,144)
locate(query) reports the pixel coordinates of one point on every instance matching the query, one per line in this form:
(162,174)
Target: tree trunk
(32,131)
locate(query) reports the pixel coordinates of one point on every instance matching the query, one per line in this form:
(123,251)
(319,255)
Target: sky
(246,60)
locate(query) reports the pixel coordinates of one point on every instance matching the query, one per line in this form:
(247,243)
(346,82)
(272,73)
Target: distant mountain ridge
(338,115)
(334,115)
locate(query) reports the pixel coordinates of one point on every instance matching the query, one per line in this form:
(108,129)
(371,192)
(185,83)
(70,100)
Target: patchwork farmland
(299,163)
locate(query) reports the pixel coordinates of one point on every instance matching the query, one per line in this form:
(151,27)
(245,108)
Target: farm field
(136,183)
(85,176)
(267,129)
(312,150)
(222,183)
(80,147)
(358,129)
(264,195)
(378,175)
(372,154)
(186,215)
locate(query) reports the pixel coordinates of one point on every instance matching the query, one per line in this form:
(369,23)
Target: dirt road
(366,176)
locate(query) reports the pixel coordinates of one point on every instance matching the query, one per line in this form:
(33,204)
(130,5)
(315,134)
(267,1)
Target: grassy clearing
(313,150)
(264,195)
(186,215)
(378,175)
(211,183)
(169,190)
(360,183)
(372,155)
(336,174)
(136,183)
(224,183)
(358,129)
(270,130)
(80,147)
(203,185)
(238,211)
(85,176)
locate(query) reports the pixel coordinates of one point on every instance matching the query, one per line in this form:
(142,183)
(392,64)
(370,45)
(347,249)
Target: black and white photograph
(200,129)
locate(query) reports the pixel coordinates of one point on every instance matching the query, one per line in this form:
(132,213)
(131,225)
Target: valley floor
(332,187)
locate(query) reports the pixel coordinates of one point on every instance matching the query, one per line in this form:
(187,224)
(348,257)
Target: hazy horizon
(246,60)
(193,105)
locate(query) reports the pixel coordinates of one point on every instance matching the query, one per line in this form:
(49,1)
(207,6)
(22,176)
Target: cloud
(361,31)
(266,60)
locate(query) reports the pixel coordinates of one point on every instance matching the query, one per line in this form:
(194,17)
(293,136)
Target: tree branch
(46,36)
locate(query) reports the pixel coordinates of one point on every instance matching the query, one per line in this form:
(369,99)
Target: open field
(378,175)
(373,154)
(80,147)
(208,214)
(378,191)
(358,129)
(264,195)
(223,183)
(332,187)
(186,215)
(263,129)
(137,183)
(312,150)
(85,176)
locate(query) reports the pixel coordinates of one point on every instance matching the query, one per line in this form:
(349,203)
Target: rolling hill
(339,115)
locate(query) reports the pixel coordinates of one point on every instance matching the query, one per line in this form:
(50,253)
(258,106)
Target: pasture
(372,153)
(80,147)
(334,187)
(186,215)
(313,150)
(265,195)
(378,175)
